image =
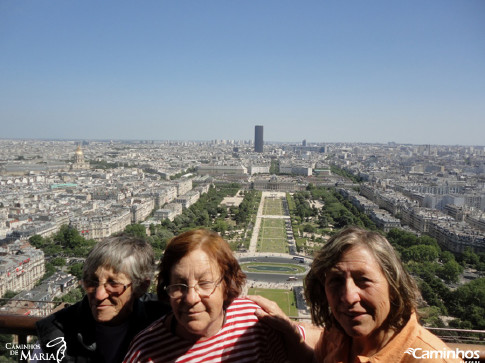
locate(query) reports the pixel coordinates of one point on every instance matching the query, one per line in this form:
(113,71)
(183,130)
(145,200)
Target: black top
(78,328)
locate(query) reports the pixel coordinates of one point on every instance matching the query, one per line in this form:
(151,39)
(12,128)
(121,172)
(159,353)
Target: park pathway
(257,225)
(296,286)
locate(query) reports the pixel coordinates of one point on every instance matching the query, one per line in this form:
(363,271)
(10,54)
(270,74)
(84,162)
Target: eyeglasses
(203,289)
(113,288)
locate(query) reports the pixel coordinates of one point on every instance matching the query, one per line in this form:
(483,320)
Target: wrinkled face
(197,317)
(109,308)
(358,293)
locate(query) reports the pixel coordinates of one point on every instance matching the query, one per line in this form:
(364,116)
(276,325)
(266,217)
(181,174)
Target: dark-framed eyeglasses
(202,288)
(113,288)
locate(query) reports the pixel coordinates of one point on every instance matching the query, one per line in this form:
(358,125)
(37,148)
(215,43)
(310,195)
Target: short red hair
(218,251)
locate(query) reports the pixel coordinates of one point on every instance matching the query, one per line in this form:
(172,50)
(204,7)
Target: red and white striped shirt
(242,339)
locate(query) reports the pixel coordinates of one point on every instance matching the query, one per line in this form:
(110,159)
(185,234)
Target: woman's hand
(299,347)
(271,314)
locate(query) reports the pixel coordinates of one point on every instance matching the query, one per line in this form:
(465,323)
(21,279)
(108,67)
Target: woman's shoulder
(422,337)
(61,319)
(415,342)
(242,303)
(241,309)
(429,347)
(427,341)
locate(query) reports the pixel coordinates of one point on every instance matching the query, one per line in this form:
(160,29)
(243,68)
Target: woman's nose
(192,296)
(101,293)
(350,292)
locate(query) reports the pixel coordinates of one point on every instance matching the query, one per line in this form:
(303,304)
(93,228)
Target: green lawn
(284,298)
(273,206)
(273,222)
(272,236)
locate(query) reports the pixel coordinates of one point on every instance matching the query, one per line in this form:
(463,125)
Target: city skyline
(250,142)
(410,73)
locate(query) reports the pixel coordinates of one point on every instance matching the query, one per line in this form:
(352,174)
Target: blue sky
(325,71)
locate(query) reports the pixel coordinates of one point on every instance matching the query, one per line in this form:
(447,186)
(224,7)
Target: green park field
(284,298)
(272,236)
(273,207)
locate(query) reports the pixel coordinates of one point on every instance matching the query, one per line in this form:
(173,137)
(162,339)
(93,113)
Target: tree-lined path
(273,205)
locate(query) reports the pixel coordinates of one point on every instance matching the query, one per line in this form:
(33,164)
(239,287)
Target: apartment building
(141,209)
(169,211)
(102,224)
(188,199)
(183,186)
(21,266)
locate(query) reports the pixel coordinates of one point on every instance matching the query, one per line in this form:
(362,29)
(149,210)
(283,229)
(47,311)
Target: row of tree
(67,242)
(337,211)
(434,269)
(344,173)
(205,213)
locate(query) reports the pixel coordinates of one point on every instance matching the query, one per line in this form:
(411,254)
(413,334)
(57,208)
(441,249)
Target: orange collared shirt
(412,344)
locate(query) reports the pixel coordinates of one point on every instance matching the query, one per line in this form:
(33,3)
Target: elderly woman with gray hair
(116,274)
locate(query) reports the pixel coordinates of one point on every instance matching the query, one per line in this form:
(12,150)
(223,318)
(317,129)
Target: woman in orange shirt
(359,291)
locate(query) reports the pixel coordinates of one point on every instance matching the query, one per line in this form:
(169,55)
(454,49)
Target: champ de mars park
(271,242)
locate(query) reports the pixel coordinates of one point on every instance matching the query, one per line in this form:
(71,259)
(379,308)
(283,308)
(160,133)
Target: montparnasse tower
(258,139)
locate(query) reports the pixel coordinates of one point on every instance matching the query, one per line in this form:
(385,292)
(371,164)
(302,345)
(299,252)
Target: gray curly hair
(129,255)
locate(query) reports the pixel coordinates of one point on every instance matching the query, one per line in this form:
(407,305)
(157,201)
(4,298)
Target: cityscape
(103,188)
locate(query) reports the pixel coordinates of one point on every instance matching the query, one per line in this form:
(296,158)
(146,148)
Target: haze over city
(409,72)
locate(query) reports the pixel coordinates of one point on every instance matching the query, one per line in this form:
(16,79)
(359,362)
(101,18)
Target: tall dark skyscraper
(258,139)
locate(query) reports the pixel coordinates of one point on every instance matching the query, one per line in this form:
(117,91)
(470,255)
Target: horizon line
(316,143)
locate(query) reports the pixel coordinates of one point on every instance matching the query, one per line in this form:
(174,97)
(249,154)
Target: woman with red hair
(202,279)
